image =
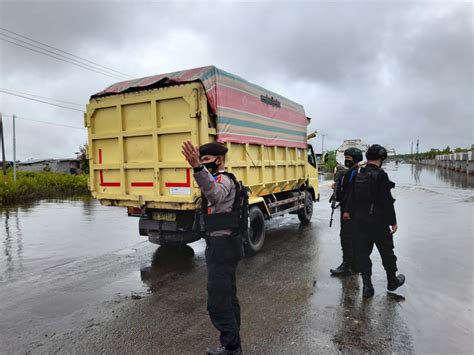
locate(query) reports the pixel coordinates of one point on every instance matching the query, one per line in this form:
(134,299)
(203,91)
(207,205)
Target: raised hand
(191,153)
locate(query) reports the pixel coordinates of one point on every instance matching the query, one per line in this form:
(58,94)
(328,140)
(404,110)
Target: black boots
(344,269)
(368,288)
(223,351)
(394,281)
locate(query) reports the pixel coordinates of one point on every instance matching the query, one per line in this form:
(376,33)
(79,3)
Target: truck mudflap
(170,238)
(177,232)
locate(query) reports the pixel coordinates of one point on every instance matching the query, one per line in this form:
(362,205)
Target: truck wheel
(305,214)
(256,231)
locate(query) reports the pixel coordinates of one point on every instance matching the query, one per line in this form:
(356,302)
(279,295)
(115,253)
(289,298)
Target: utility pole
(417,146)
(322,143)
(14,151)
(4,168)
(411,152)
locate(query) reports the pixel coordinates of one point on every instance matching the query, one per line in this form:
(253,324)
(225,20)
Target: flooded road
(76,277)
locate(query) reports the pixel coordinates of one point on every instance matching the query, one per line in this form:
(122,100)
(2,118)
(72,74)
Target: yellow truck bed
(135,155)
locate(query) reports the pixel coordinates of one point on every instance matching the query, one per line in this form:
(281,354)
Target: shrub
(39,185)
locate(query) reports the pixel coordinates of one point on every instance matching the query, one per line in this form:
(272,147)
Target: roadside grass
(32,186)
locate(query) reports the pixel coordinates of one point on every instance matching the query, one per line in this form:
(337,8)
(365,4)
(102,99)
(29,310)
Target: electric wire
(63,60)
(69,54)
(44,122)
(42,97)
(44,102)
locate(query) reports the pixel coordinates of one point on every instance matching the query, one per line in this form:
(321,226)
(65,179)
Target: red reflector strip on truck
(101,175)
(107,184)
(142,184)
(181,184)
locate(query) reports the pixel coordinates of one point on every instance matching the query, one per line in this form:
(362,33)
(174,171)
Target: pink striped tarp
(245,112)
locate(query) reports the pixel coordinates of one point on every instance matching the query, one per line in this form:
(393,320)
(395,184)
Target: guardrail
(463,162)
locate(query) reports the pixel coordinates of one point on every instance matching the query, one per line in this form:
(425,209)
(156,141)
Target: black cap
(375,152)
(212,149)
(355,153)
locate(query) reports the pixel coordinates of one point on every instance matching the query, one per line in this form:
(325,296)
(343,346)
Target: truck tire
(256,232)
(305,214)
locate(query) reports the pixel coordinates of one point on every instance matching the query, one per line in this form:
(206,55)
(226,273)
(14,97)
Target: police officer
(371,205)
(339,170)
(222,251)
(352,157)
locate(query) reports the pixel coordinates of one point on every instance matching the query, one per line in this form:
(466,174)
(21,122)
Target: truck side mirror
(311,157)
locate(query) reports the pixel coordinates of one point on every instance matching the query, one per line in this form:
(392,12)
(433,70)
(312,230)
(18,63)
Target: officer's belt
(220,221)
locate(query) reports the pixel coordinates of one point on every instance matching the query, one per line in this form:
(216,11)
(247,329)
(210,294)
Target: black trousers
(367,235)
(222,303)
(347,236)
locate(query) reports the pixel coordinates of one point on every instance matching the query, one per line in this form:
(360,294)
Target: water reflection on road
(13,242)
(168,262)
(79,252)
(55,232)
(363,322)
(429,176)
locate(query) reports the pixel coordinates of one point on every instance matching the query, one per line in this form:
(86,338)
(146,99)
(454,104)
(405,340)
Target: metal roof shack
(63,166)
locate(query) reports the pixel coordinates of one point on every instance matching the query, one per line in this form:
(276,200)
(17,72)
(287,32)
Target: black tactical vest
(365,186)
(237,219)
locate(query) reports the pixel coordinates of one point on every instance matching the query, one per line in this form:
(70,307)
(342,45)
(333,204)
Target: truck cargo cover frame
(245,112)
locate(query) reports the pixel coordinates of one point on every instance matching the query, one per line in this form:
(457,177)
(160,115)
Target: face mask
(211,167)
(348,163)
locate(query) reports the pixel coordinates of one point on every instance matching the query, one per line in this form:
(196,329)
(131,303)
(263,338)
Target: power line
(63,60)
(71,60)
(69,54)
(45,122)
(42,97)
(44,102)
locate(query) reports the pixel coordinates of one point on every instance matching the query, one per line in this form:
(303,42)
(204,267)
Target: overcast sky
(385,72)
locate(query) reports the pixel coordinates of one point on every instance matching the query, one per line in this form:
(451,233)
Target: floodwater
(76,277)
(55,232)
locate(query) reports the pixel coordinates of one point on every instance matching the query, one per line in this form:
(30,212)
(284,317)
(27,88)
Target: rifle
(334,205)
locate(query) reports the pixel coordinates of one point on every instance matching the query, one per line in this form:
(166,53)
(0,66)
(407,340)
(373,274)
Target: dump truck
(136,129)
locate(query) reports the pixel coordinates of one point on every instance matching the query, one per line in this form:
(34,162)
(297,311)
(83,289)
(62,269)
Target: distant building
(8,164)
(350,143)
(64,166)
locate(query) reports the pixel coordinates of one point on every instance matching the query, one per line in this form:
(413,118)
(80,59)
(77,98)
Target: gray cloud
(387,72)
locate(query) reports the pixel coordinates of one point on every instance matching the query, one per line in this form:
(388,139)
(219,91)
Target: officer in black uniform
(224,249)
(371,205)
(352,157)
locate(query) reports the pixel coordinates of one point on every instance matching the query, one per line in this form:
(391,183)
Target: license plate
(162,216)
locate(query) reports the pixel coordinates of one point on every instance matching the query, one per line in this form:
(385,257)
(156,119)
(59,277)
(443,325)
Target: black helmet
(375,152)
(355,153)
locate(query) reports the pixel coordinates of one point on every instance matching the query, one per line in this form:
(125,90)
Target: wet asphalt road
(75,277)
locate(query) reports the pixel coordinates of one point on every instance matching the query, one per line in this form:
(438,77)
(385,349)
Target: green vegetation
(330,163)
(83,162)
(430,154)
(39,185)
